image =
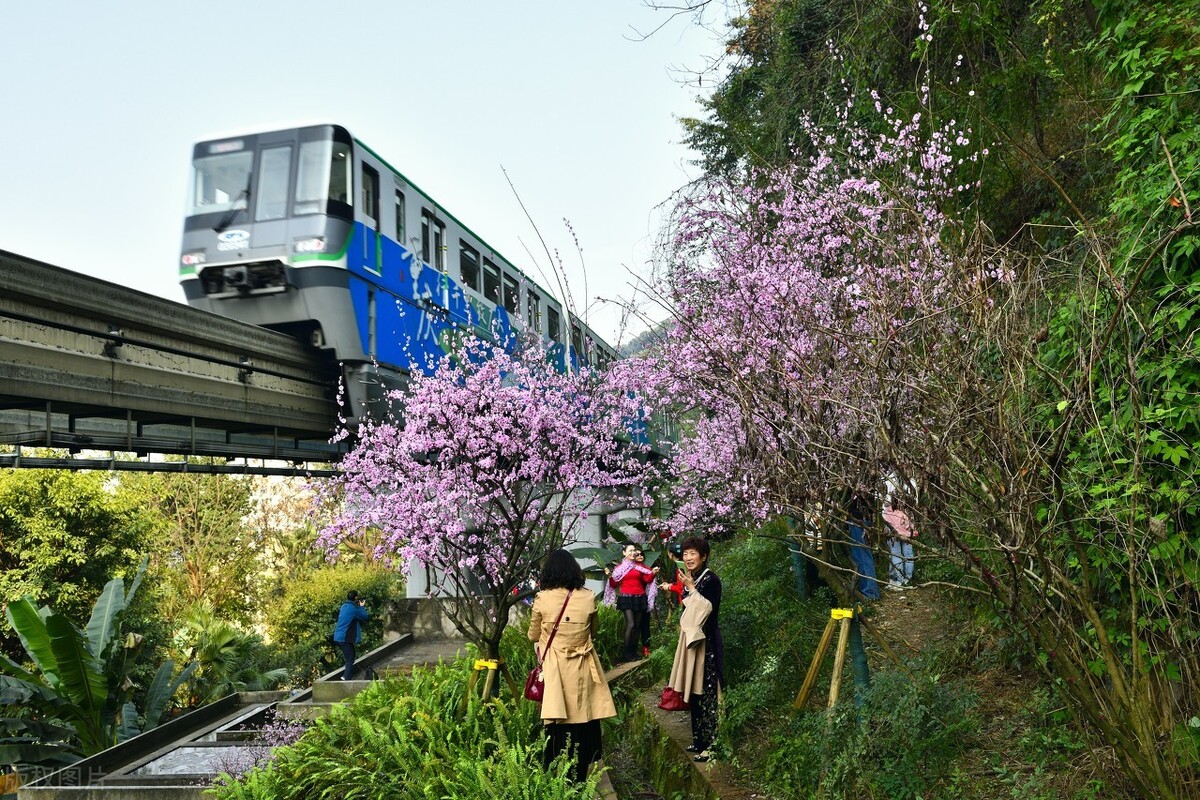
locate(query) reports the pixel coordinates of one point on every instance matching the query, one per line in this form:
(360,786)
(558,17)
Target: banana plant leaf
(105,620)
(82,675)
(19,729)
(26,691)
(84,683)
(163,688)
(127,726)
(31,630)
(36,752)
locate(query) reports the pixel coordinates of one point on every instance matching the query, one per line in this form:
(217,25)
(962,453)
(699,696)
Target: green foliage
(62,536)
(228,659)
(610,633)
(202,546)
(901,743)
(76,700)
(759,594)
(406,738)
(1091,113)
(303,619)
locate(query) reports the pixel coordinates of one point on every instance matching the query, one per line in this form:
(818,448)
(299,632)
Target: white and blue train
(308,231)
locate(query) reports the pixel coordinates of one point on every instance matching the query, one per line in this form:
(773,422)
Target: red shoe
(645,652)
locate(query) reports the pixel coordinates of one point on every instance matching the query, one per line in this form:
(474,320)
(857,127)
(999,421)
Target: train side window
(468,265)
(439,245)
(533,313)
(577,342)
(512,295)
(400,218)
(370,194)
(553,324)
(274,168)
(340,189)
(491,281)
(426,234)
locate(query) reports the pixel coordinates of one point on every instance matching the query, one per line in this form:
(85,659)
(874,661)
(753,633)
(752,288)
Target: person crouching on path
(347,632)
(631,586)
(576,697)
(699,669)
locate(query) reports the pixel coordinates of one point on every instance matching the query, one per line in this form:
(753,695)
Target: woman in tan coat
(576,696)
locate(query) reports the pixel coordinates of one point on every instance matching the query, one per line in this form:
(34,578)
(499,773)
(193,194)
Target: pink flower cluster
(493,461)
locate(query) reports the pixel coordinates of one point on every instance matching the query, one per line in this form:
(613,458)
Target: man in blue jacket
(348,630)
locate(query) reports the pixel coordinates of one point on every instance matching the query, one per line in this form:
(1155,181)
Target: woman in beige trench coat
(576,696)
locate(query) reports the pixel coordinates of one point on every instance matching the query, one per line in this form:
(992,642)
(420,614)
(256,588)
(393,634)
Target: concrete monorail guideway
(88,365)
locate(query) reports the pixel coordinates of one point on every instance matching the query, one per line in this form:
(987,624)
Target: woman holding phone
(699,669)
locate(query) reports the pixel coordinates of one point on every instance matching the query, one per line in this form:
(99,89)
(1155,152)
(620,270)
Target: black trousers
(348,656)
(704,706)
(581,739)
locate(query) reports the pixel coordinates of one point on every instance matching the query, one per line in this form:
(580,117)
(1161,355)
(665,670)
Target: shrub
(309,607)
(901,743)
(763,671)
(406,738)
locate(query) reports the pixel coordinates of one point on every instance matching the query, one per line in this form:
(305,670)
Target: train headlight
(192,259)
(314,245)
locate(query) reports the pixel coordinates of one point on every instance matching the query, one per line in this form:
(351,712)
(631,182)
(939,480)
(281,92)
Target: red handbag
(672,700)
(535,683)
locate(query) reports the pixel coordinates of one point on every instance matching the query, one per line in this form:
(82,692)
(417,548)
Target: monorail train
(308,231)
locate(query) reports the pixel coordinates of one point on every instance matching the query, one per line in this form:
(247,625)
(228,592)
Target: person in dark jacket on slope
(347,632)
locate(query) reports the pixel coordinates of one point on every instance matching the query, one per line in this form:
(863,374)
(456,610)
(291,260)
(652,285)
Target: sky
(105,99)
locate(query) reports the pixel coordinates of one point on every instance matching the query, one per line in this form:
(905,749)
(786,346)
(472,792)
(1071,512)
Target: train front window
(323,173)
(273,167)
(221,182)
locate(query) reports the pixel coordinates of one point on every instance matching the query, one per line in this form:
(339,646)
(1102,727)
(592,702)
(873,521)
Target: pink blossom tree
(809,303)
(495,462)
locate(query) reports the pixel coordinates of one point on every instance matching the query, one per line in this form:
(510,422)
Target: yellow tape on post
(841,613)
(487,663)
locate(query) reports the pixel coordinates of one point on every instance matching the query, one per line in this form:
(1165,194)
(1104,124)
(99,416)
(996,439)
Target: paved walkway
(677,725)
(423,651)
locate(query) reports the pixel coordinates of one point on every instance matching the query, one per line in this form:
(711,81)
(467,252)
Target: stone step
(336,691)
(304,711)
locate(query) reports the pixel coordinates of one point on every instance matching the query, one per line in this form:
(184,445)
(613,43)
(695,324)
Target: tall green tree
(62,536)
(202,547)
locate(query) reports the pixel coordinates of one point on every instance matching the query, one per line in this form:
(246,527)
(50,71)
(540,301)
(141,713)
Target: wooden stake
(815,666)
(839,661)
(844,615)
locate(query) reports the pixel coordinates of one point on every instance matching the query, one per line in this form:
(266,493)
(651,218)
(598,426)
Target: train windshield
(324,173)
(221,182)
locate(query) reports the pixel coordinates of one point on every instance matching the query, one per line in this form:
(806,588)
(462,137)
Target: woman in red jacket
(633,587)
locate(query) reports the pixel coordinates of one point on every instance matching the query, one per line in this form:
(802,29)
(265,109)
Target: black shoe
(691,748)
(702,758)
